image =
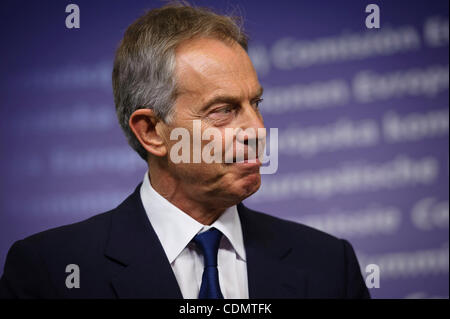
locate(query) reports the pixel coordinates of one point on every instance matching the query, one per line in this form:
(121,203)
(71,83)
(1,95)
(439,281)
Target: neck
(172,190)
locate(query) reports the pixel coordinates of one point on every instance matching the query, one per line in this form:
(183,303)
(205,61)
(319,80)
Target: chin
(248,185)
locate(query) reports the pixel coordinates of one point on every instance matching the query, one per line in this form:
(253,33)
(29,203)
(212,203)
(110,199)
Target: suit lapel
(269,273)
(141,268)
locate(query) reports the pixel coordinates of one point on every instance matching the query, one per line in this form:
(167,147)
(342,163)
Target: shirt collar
(175,229)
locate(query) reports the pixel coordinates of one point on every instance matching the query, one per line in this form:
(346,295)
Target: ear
(143,123)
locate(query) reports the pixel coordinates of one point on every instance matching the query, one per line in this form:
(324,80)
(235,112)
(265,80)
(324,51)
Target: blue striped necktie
(208,242)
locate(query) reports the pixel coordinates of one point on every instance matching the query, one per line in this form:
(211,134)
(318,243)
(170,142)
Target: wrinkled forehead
(206,66)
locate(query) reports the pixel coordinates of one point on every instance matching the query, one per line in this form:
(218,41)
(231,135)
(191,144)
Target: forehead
(208,66)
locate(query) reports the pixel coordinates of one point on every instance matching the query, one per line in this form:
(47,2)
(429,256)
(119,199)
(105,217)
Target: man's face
(217,85)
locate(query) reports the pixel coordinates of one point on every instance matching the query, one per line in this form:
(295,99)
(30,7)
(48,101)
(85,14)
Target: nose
(252,125)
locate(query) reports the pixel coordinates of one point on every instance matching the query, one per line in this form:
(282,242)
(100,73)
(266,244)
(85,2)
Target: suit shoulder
(90,231)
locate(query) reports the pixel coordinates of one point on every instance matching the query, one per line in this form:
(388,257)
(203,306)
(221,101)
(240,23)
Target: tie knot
(208,242)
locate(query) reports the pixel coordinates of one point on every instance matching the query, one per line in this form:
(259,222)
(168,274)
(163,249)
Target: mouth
(247,159)
(254,162)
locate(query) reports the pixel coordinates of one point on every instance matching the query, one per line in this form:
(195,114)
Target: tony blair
(184,232)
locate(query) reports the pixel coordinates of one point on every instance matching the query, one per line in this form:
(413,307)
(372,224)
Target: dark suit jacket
(120,256)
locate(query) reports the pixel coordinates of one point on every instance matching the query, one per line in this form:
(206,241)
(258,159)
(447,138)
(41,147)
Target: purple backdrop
(362,117)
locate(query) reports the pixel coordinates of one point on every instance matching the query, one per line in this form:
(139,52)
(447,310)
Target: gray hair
(143,73)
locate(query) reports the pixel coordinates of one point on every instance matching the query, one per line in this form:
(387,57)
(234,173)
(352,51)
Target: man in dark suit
(184,233)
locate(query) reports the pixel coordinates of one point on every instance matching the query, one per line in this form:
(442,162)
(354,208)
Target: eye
(257,102)
(225,109)
(223,114)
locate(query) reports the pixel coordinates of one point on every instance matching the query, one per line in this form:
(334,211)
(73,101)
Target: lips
(244,158)
(253,164)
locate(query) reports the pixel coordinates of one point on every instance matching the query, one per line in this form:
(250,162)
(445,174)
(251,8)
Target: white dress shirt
(175,230)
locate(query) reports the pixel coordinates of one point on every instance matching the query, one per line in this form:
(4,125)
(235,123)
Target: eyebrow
(228,99)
